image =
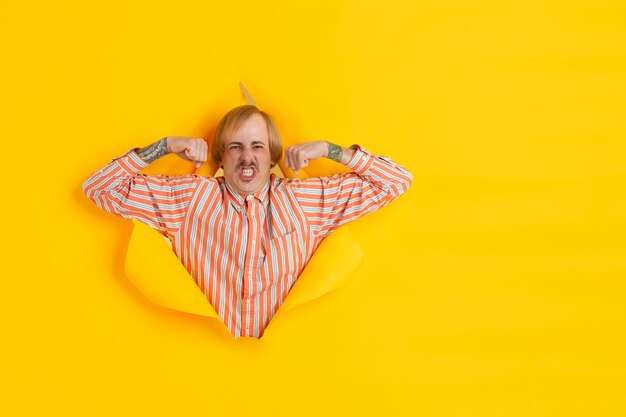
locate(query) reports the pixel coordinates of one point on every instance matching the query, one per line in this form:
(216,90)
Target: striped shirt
(246,251)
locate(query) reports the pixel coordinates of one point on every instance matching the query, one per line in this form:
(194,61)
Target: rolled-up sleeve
(159,201)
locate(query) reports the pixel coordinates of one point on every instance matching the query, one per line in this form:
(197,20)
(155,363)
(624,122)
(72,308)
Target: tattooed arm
(159,201)
(298,156)
(153,151)
(333,200)
(189,149)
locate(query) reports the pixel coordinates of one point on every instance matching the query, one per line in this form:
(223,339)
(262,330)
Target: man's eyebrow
(256,142)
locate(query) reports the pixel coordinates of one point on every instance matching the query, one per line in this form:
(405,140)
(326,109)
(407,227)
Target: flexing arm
(332,201)
(159,201)
(298,156)
(189,149)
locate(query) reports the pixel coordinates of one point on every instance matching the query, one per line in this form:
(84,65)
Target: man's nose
(247,154)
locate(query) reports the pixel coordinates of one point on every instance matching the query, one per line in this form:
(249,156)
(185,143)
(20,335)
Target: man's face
(246,160)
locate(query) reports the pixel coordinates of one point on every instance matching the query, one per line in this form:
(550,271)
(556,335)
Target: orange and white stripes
(246,252)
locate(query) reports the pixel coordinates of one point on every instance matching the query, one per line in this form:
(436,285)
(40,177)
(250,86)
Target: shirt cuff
(361,160)
(131,162)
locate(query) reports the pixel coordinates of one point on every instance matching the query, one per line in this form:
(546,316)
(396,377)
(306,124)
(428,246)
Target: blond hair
(233,120)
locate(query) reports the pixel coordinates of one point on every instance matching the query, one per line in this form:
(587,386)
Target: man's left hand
(298,156)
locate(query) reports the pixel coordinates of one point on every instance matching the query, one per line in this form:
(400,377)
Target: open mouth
(247,173)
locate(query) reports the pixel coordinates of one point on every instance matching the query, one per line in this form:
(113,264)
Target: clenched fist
(190,149)
(298,156)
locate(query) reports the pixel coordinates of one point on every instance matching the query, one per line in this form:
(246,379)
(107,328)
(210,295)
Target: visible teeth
(247,172)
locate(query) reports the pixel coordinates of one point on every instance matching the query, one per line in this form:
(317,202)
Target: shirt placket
(250,264)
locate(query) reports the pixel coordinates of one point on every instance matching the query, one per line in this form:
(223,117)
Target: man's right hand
(190,149)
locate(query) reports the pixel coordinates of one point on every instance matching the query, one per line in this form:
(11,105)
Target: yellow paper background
(494,287)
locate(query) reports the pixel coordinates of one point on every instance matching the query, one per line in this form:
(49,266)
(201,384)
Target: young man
(245,237)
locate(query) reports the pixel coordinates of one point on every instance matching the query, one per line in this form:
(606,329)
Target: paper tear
(158,273)
(249,99)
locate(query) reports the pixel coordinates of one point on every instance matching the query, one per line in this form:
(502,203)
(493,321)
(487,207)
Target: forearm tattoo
(155,151)
(335,152)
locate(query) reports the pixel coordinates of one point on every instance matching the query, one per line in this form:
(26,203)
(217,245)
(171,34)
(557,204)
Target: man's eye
(258,146)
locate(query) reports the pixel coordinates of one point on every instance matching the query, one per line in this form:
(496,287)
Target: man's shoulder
(278,183)
(214,183)
(312,187)
(314,181)
(197,181)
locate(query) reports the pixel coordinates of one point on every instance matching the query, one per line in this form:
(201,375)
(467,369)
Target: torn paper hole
(157,272)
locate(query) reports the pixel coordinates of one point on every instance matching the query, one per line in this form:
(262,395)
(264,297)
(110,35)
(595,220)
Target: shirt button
(248,197)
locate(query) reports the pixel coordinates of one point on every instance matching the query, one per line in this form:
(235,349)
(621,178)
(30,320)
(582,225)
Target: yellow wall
(494,287)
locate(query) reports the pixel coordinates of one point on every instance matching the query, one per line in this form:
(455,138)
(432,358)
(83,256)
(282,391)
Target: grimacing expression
(246,160)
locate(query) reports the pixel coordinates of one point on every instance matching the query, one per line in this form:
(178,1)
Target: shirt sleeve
(159,201)
(329,202)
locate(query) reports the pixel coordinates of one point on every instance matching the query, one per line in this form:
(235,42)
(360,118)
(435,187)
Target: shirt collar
(237,200)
